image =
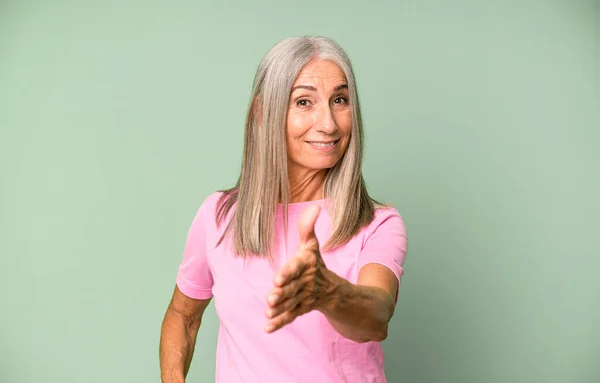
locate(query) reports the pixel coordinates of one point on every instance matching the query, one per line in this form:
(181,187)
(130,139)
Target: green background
(482,125)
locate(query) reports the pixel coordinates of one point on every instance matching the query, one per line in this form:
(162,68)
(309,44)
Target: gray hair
(263,182)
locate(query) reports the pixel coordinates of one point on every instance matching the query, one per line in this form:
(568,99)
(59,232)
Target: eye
(302,103)
(340,100)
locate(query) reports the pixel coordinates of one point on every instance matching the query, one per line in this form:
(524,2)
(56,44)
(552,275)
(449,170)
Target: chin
(328,165)
(315,166)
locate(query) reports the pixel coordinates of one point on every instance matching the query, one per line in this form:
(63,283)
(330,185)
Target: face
(318,120)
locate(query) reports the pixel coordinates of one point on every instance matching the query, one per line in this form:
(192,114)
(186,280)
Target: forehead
(320,71)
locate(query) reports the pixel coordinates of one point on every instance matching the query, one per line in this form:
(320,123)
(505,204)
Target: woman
(308,304)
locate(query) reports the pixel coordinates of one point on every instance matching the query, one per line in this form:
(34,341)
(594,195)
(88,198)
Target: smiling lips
(323,145)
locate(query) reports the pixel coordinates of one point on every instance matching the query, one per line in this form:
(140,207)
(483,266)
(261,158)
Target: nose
(325,122)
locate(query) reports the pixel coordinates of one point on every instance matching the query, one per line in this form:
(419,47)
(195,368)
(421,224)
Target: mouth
(323,144)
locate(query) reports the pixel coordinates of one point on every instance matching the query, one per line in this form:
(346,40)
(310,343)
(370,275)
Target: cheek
(293,132)
(344,122)
(297,126)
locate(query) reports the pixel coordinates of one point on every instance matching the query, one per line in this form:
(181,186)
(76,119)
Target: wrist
(336,291)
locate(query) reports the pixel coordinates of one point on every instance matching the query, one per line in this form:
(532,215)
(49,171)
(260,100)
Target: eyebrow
(312,88)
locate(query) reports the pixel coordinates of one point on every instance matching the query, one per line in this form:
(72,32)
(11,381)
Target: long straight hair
(263,182)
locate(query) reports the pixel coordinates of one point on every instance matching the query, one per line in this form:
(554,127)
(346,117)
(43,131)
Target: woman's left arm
(361,311)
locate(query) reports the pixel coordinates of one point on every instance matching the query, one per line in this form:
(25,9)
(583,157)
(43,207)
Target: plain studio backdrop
(482,125)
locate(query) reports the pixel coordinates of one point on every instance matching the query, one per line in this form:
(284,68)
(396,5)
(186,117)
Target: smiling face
(319,119)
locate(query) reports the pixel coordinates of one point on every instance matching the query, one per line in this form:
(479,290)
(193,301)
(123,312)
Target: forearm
(177,342)
(359,313)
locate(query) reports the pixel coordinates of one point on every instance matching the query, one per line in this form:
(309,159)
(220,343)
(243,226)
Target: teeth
(322,145)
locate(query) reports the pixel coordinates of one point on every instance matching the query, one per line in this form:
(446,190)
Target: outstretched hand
(304,282)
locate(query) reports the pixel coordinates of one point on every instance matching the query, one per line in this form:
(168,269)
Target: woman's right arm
(178,336)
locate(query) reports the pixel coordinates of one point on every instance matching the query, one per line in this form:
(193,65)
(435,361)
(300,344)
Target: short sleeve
(194,277)
(385,243)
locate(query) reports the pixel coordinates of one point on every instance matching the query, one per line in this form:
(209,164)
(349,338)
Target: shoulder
(386,213)
(212,200)
(387,222)
(208,207)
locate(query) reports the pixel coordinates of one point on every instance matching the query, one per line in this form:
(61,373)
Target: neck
(307,186)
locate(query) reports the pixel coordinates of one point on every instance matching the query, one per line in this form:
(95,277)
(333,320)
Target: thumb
(306,225)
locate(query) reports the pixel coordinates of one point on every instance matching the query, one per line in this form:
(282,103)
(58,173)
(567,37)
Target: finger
(288,304)
(286,318)
(291,270)
(288,290)
(279,321)
(306,225)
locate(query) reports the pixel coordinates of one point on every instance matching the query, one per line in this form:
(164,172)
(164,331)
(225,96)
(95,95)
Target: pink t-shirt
(308,349)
